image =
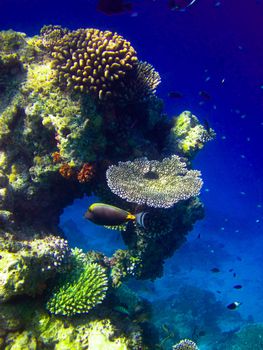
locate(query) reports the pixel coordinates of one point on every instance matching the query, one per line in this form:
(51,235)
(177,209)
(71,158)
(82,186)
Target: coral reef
(79,290)
(25,266)
(156,184)
(92,60)
(188,135)
(73,103)
(42,331)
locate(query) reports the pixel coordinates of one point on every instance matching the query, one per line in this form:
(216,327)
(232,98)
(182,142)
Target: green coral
(188,135)
(80,290)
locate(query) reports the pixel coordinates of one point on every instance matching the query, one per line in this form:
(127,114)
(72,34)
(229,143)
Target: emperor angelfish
(111,216)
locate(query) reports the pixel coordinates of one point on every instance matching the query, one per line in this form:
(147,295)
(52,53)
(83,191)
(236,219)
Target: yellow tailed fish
(112,217)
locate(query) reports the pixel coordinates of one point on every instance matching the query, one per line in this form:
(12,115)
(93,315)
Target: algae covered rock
(188,135)
(25,266)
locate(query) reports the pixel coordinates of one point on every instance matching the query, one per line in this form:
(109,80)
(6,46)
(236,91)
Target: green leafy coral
(81,289)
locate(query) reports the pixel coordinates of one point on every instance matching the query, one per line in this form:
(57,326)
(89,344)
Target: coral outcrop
(66,117)
(188,135)
(26,266)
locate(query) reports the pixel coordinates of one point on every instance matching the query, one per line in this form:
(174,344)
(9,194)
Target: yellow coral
(93,60)
(40,77)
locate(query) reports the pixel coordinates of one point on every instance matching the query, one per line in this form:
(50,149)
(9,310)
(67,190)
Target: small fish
(108,215)
(234,274)
(215,270)
(234,305)
(199,236)
(180,5)
(231,270)
(219,291)
(238,286)
(113,7)
(238,258)
(205,95)
(175,94)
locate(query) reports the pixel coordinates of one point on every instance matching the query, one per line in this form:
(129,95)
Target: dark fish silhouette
(234,305)
(113,7)
(175,94)
(215,269)
(238,286)
(205,95)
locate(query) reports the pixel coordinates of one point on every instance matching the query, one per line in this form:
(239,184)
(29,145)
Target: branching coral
(185,344)
(156,184)
(80,290)
(142,84)
(92,60)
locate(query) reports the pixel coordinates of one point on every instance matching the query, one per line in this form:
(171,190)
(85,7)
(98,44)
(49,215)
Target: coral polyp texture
(91,60)
(82,289)
(153,183)
(185,344)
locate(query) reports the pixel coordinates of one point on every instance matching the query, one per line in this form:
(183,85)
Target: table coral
(156,184)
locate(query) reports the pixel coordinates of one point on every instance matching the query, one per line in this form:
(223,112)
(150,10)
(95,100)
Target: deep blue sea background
(216,46)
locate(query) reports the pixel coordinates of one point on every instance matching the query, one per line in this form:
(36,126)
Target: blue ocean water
(216,47)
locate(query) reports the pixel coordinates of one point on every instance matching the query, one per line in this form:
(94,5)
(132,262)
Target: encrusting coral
(156,184)
(26,265)
(188,135)
(80,290)
(91,60)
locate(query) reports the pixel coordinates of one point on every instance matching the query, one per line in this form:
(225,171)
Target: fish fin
(117,227)
(130,216)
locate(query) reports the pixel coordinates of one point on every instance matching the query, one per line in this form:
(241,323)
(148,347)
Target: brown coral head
(67,171)
(86,173)
(93,61)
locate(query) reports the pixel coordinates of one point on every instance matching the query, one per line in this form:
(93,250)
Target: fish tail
(140,218)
